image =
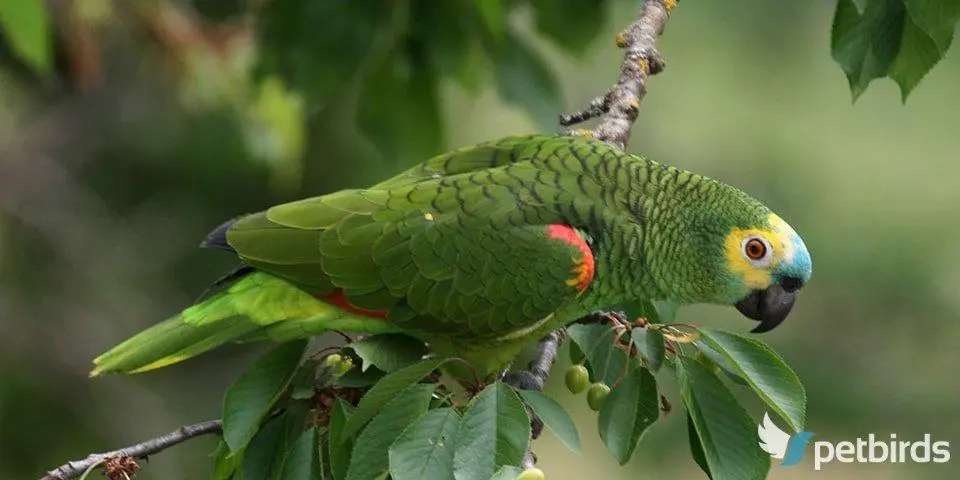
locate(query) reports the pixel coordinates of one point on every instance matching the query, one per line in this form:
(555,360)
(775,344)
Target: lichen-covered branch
(141,450)
(619,107)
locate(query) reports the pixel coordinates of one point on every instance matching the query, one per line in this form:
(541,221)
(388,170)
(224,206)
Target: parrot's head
(748,257)
(767,265)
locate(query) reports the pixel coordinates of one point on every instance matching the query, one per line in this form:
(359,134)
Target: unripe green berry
(532,474)
(597,395)
(343,367)
(577,379)
(332,360)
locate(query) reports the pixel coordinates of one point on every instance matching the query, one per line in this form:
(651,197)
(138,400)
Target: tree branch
(141,450)
(619,107)
(617,111)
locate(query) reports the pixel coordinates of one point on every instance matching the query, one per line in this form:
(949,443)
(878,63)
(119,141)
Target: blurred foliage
(156,120)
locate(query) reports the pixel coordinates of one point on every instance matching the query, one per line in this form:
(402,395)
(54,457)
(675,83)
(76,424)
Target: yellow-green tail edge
(257,307)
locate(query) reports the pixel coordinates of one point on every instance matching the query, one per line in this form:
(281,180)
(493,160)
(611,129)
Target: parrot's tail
(257,306)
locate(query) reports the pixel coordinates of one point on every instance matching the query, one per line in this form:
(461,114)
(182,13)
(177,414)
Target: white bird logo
(772,439)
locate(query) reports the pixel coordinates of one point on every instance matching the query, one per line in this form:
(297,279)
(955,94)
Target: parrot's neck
(642,256)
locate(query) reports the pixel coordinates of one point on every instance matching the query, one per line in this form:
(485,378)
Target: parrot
(483,250)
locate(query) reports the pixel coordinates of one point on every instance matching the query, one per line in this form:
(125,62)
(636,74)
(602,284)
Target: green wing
(456,247)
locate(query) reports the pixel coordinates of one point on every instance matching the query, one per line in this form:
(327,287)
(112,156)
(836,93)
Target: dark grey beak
(772,305)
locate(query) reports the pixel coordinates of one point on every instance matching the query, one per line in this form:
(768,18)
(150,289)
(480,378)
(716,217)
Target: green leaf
(650,344)
(661,311)
(494,432)
(27,29)
(389,351)
(507,472)
(572,24)
(266,454)
(628,412)
(355,378)
(339,447)
(300,461)
(901,39)
(727,434)
(225,463)
(766,372)
(866,45)
(918,55)
(696,450)
(721,362)
(935,18)
(370,453)
(385,390)
(425,449)
(554,416)
(525,80)
(254,393)
(606,362)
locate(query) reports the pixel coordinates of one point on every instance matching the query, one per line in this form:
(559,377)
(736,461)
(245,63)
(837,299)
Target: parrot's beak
(771,305)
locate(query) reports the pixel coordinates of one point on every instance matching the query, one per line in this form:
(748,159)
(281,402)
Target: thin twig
(143,449)
(618,109)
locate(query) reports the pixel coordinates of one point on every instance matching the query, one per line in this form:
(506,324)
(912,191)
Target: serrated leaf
(918,55)
(27,29)
(766,372)
(572,24)
(425,449)
(866,44)
(494,432)
(369,458)
(339,450)
(606,362)
(507,472)
(264,456)
(936,18)
(650,344)
(253,394)
(525,80)
(554,417)
(385,390)
(389,351)
(727,434)
(721,362)
(631,408)
(696,450)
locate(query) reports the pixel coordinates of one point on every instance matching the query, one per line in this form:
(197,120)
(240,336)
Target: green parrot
(480,251)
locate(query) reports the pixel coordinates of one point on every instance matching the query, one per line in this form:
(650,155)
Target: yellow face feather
(756,274)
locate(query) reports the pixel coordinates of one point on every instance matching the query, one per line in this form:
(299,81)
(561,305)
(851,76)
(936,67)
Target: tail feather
(258,306)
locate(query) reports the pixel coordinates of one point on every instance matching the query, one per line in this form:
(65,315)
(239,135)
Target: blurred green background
(153,133)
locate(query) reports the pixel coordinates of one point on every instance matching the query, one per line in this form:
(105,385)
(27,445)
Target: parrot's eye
(757,249)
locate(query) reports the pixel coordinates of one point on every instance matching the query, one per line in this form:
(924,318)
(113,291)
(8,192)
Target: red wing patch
(340,300)
(584,267)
